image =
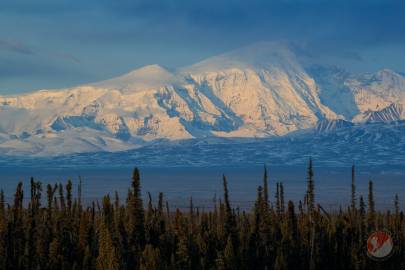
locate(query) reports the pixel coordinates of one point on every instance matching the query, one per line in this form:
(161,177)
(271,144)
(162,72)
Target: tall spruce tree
(229,222)
(353,190)
(277,197)
(265,188)
(371,207)
(136,216)
(282,206)
(310,187)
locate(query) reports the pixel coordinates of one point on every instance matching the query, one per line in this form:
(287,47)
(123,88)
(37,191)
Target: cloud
(15,46)
(107,37)
(69,57)
(26,74)
(18,47)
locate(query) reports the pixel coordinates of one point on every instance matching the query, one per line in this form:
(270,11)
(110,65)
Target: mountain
(355,96)
(378,90)
(393,112)
(259,91)
(375,145)
(333,91)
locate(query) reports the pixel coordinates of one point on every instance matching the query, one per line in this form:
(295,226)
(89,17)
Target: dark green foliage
(66,234)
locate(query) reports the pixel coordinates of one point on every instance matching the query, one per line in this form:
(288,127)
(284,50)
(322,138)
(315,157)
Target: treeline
(57,231)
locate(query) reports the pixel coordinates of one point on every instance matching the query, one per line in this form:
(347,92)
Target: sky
(63,43)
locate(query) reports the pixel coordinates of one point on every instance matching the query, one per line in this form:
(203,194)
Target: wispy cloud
(12,45)
(68,57)
(106,38)
(15,46)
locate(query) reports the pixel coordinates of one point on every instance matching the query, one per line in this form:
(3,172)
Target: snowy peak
(360,97)
(384,79)
(260,90)
(390,76)
(257,56)
(379,90)
(148,77)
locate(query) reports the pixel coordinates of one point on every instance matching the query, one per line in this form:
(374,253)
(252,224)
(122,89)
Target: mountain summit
(260,90)
(148,77)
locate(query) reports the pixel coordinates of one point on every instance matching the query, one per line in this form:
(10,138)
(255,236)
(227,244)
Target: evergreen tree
(310,187)
(66,234)
(397,219)
(17,245)
(278,200)
(230,255)
(229,222)
(396,205)
(290,241)
(371,207)
(108,258)
(353,193)
(69,196)
(136,219)
(150,258)
(265,188)
(282,206)
(182,251)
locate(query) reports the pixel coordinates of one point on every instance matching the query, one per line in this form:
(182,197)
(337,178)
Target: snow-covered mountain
(393,112)
(374,145)
(260,90)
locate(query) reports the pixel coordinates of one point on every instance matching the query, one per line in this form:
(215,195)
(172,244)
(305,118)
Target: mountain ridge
(260,91)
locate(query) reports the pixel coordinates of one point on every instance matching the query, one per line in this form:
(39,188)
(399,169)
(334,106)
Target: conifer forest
(52,229)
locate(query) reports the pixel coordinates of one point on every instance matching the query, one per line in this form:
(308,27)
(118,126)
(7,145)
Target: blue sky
(49,44)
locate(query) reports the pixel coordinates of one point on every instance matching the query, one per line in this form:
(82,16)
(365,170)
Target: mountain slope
(260,90)
(377,91)
(392,112)
(256,91)
(375,145)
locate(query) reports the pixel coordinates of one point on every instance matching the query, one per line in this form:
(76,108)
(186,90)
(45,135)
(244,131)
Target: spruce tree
(136,219)
(282,206)
(353,189)
(265,188)
(371,219)
(310,187)
(183,260)
(61,197)
(60,236)
(229,222)
(277,197)
(69,198)
(396,205)
(150,258)
(230,255)
(17,229)
(397,218)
